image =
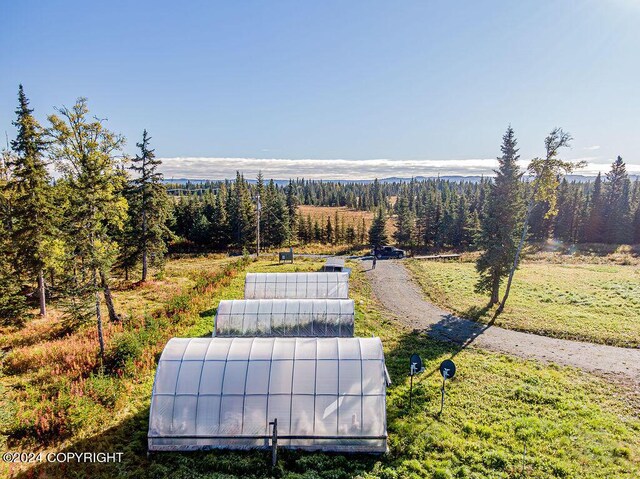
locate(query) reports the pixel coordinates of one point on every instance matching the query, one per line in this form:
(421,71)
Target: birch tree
(87,155)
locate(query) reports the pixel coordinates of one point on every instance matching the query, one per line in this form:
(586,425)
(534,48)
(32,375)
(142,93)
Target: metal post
(444,381)
(258,208)
(274,443)
(411,392)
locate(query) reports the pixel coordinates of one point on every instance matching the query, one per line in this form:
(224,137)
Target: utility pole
(258,208)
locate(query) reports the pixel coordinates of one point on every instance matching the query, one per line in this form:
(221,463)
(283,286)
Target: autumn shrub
(103,389)
(126,348)
(178,304)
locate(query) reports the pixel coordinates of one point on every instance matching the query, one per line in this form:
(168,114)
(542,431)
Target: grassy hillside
(599,303)
(574,424)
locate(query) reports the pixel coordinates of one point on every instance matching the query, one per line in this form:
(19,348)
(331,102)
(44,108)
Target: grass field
(598,303)
(351,217)
(574,424)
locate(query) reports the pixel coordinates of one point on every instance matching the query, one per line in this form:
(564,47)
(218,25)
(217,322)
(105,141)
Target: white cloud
(338,169)
(592,148)
(341,169)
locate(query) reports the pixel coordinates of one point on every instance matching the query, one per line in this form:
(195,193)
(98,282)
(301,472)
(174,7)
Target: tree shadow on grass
(397,359)
(476,312)
(208,312)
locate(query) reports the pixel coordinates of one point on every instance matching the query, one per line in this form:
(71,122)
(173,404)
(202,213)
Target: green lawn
(574,424)
(587,302)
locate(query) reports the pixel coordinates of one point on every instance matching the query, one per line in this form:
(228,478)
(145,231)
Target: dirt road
(394,287)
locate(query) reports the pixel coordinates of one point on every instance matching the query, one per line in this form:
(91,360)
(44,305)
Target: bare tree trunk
(108,299)
(516,259)
(42,294)
(98,317)
(144,264)
(495,290)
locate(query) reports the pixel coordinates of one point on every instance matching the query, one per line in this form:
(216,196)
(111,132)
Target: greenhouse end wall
(285,317)
(327,394)
(296,285)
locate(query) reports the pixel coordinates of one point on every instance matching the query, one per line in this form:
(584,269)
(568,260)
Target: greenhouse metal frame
(285,317)
(327,394)
(296,285)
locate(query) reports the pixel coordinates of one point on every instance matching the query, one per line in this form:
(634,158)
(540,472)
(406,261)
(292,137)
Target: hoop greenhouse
(296,285)
(285,317)
(326,393)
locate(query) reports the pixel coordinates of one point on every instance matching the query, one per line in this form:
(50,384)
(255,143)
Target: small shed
(327,394)
(334,265)
(285,317)
(296,285)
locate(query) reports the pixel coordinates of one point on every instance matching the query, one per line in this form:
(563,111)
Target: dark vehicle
(386,252)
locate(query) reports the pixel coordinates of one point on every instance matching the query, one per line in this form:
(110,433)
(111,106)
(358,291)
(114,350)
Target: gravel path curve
(394,287)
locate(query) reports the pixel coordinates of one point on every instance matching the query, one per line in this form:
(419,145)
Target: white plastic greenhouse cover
(327,394)
(296,285)
(285,317)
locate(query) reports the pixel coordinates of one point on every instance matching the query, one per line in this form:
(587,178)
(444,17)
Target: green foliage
(404,223)
(126,348)
(104,389)
(147,232)
(86,153)
(497,237)
(30,218)
(13,305)
(377,232)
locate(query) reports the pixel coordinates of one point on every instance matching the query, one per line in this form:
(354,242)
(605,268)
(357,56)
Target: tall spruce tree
(242,215)
(148,206)
(87,155)
(275,212)
(403,234)
(32,222)
(497,237)
(546,175)
(594,226)
(616,216)
(12,300)
(378,230)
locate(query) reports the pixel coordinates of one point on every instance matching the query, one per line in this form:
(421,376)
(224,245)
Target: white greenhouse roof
(285,317)
(335,261)
(326,393)
(296,285)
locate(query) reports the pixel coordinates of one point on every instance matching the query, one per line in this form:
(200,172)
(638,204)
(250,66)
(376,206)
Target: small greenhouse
(285,317)
(296,285)
(326,393)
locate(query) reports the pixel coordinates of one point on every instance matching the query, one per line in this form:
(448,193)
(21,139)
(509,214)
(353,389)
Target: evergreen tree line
(64,238)
(432,214)
(224,215)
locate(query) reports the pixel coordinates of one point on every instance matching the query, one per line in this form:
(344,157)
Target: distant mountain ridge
(393,179)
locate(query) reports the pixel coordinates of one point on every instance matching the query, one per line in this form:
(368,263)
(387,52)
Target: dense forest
(429,214)
(76,210)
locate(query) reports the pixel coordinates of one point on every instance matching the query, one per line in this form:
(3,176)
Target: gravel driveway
(394,287)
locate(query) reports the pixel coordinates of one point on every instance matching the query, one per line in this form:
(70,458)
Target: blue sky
(388,87)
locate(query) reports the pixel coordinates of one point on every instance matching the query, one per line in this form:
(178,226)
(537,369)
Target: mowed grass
(599,303)
(573,424)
